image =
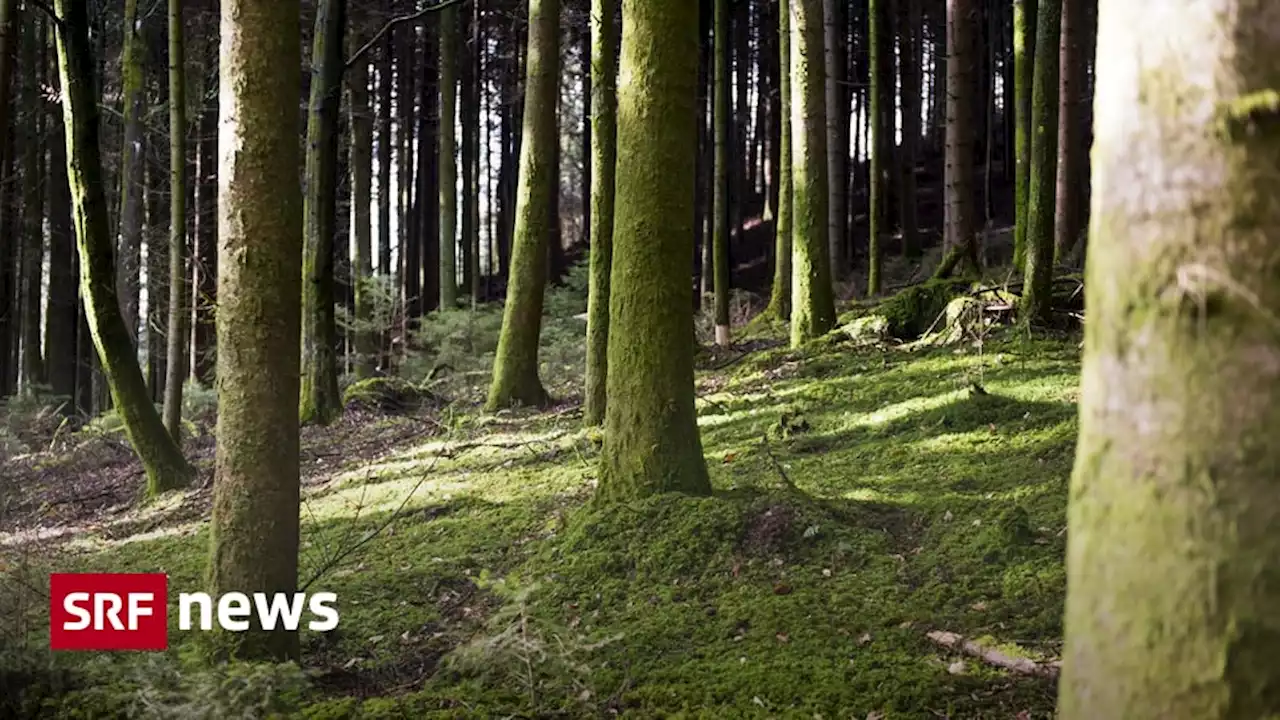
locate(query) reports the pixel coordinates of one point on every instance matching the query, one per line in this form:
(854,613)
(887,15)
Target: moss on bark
(964,31)
(651,440)
(319,400)
(448,167)
(366,345)
(162,460)
(813,310)
(1024,41)
(1173,554)
(254,530)
(604,154)
(780,294)
(879,44)
(178,341)
(1044,165)
(515,368)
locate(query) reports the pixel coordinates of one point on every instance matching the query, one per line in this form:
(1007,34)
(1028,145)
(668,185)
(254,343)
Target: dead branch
(991,656)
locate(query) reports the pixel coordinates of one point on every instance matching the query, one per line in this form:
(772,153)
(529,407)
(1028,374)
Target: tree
(256,488)
(449,52)
(320,400)
(911,98)
(960,213)
(361,161)
(1173,539)
(880,47)
(1073,152)
(720,198)
(813,310)
(179,342)
(834,31)
(780,293)
(1024,43)
(515,367)
(32,202)
(651,441)
(131,164)
(162,461)
(1044,165)
(604,153)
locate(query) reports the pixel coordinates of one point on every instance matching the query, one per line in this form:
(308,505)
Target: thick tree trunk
(780,293)
(361,163)
(254,531)
(165,467)
(448,183)
(604,155)
(1174,526)
(835,52)
(651,435)
(963,31)
(515,368)
(1024,54)
(813,310)
(178,337)
(720,201)
(1044,165)
(319,399)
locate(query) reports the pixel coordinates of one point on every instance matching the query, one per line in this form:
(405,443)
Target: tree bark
(880,43)
(720,200)
(33,172)
(1073,153)
(205,293)
(1038,270)
(361,163)
(651,435)
(1173,534)
(63,306)
(963,31)
(835,52)
(179,340)
(780,293)
(604,153)
(813,310)
(133,100)
(162,460)
(515,368)
(910,64)
(254,529)
(1024,54)
(319,399)
(8,315)
(448,168)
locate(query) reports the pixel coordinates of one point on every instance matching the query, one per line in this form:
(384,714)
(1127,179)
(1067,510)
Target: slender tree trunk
(8,314)
(813,310)
(1174,528)
(413,239)
(157,180)
(1036,295)
(179,341)
(63,307)
(366,344)
(385,141)
(911,97)
(880,44)
(428,171)
(1024,53)
(129,245)
(1073,153)
(470,113)
(448,159)
(165,467)
(721,231)
(33,173)
(205,291)
(254,531)
(651,435)
(780,294)
(960,221)
(319,400)
(603,157)
(835,53)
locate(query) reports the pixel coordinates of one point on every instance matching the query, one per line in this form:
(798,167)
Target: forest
(640,358)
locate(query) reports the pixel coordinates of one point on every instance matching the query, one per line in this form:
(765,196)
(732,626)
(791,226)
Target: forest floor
(865,496)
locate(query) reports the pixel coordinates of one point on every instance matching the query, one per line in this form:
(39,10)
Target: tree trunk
(721,230)
(385,141)
(911,97)
(780,293)
(1024,53)
(1174,530)
(963,31)
(133,99)
(813,310)
(165,467)
(448,159)
(204,299)
(179,341)
(604,155)
(319,401)
(428,172)
(8,314)
(834,25)
(1037,292)
(157,180)
(880,44)
(651,435)
(1073,153)
(32,359)
(254,531)
(470,115)
(515,368)
(366,344)
(63,308)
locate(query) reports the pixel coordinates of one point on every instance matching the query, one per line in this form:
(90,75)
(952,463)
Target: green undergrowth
(864,497)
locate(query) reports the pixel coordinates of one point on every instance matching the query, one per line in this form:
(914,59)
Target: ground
(865,495)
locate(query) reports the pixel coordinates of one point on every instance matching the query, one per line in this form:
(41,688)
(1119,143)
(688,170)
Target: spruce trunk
(1038,270)
(178,339)
(780,294)
(604,153)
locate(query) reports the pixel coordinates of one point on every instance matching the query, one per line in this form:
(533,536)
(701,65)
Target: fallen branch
(994,657)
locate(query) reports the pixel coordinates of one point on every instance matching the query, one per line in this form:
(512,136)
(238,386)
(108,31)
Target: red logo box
(108,611)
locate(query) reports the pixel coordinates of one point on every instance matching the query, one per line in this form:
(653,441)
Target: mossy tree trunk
(1024,53)
(720,231)
(254,533)
(880,45)
(515,368)
(1038,270)
(780,293)
(1173,610)
(834,30)
(813,310)
(319,400)
(178,339)
(132,181)
(604,155)
(651,440)
(910,46)
(448,167)
(361,162)
(964,29)
(162,460)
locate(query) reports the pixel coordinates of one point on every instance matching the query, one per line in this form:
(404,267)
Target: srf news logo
(130,611)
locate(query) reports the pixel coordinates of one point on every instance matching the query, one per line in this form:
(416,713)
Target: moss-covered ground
(864,496)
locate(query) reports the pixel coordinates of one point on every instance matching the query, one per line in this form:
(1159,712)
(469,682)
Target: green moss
(1249,113)
(387,394)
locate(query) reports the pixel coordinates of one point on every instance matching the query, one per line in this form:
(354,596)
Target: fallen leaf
(728,457)
(782,589)
(783,638)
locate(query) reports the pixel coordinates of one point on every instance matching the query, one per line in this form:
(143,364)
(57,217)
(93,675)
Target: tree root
(991,656)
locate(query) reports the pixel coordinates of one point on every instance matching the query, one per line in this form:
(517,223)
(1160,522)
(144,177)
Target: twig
(57,21)
(994,657)
(355,58)
(786,479)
